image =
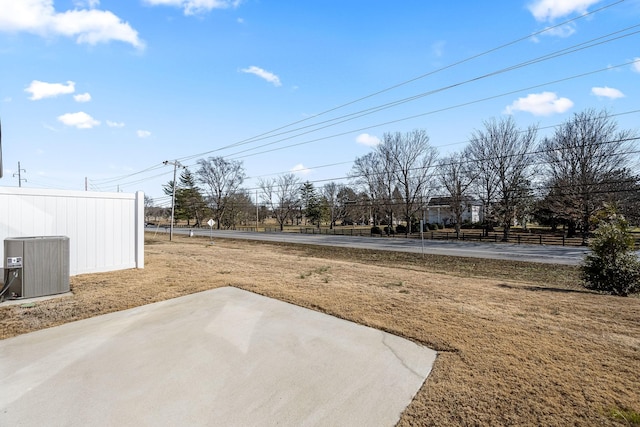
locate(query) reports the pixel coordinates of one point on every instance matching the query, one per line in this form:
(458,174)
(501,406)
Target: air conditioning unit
(36,266)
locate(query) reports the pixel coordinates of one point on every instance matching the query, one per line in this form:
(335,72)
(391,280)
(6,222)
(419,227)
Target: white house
(439,211)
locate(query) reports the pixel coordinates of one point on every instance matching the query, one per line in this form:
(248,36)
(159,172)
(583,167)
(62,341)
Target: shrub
(389,230)
(401,229)
(376,230)
(612,266)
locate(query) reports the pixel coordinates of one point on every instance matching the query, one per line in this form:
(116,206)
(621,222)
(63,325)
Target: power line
(395,86)
(580,46)
(18,173)
(339,163)
(429,112)
(359,114)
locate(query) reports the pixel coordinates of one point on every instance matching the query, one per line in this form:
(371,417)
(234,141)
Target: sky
(103,92)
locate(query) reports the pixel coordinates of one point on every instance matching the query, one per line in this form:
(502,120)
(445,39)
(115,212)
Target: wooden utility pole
(176,164)
(19,175)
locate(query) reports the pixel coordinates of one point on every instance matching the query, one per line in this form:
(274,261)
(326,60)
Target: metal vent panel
(45,264)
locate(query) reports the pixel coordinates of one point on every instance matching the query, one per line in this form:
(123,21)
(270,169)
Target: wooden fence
(464,235)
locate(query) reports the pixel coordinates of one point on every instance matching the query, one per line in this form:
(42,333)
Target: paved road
(506,251)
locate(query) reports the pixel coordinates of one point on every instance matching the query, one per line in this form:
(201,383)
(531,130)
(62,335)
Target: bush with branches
(612,266)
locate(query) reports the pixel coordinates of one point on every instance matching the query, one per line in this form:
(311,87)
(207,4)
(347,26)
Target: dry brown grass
(519,344)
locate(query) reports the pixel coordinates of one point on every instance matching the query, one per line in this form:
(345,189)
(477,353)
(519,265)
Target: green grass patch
(630,417)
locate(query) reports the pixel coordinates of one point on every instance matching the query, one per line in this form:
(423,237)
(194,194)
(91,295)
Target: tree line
(515,176)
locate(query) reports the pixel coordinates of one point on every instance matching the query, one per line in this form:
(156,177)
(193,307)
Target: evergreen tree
(612,266)
(310,203)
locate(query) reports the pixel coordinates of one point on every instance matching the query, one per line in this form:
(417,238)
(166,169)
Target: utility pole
(257,212)
(176,164)
(19,174)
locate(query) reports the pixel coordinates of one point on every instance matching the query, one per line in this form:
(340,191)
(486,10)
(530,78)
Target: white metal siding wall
(105,230)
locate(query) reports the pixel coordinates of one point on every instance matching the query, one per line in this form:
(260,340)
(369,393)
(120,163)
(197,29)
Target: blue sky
(108,90)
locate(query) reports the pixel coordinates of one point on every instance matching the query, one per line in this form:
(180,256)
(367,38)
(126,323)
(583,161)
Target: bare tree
(222,179)
(503,153)
(367,174)
(240,210)
(330,193)
(457,176)
(484,186)
(281,195)
(148,206)
(412,161)
(622,190)
(580,156)
(352,206)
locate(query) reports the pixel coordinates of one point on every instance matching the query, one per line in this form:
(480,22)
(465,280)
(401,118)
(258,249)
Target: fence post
(518,239)
(541,239)
(563,240)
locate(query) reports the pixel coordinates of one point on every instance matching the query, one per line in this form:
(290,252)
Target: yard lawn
(518,343)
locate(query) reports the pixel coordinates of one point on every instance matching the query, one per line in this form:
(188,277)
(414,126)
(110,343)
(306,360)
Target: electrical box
(36,266)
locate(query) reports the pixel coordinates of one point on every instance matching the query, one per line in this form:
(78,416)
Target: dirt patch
(519,343)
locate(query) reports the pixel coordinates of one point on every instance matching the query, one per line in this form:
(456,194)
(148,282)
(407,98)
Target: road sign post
(211,223)
(422,236)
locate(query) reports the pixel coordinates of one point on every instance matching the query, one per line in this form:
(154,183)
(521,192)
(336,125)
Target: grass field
(518,343)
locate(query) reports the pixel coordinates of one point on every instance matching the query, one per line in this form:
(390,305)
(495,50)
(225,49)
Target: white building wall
(105,230)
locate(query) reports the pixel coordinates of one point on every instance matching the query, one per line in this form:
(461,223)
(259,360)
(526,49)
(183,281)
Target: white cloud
(193,7)
(540,104)
(300,169)
(7,99)
(368,140)
(561,31)
(115,124)
(607,92)
(438,48)
(263,74)
(39,90)
(80,120)
(143,133)
(89,26)
(549,10)
(82,97)
(636,65)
